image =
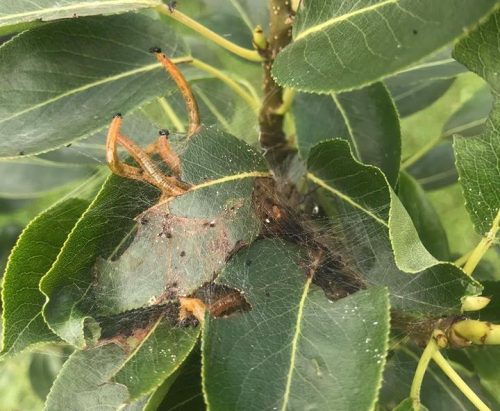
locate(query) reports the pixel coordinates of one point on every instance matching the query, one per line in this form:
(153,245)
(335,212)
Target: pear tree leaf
(21,12)
(167,243)
(185,393)
(484,360)
(361,42)
(96,66)
(477,157)
(33,255)
(420,85)
(182,242)
(384,245)
(35,177)
(436,168)
(43,370)
(123,371)
(366,118)
(424,217)
(85,381)
(288,349)
(407,405)
(470,119)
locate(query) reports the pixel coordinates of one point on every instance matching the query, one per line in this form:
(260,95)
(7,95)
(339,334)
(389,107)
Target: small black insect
(155,50)
(171,6)
(164,132)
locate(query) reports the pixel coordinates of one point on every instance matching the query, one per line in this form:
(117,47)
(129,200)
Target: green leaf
(485,360)
(185,394)
(63,81)
(366,118)
(157,357)
(97,233)
(364,41)
(358,197)
(436,168)
(294,342)
(197,229)
(477,158)
(469,119)
(424,217)
(33,255)
(125,371)
(407,405)
(85,381)
(420,85)
(414,97)
(34,177)
(24,11)
(43,370)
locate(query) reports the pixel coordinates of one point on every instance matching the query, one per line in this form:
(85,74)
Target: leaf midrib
(295,342)
(88,86)
(78,6)
(345,198)
(337,19)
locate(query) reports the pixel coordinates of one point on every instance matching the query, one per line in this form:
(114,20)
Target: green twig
(232,84)
(272,137)
(459,262)
(482,247)
(243,52)
(172,116)
(431,348)
(220,117)
(288,96)
(459,382)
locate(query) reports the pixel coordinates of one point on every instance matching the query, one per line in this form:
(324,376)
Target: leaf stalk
(231,83)
(242,52)
(459,382)
(482,247)
(431,348)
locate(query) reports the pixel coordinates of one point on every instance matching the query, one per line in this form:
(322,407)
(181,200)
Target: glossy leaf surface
(294,342)
(17,12)
(63,81)
(380,234)
(366,118)
(477,158)
(364,41)
(33,255)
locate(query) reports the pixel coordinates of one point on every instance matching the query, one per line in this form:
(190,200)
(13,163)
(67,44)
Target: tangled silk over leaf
(287,350)
(391,253)
(179,244)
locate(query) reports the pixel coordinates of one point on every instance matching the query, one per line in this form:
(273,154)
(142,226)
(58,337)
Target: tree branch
(272,137)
